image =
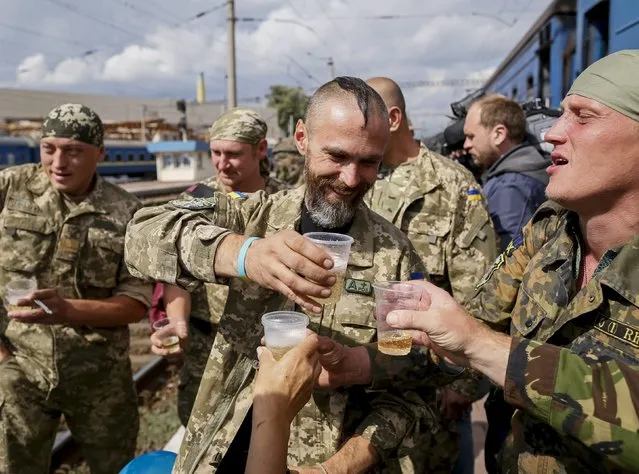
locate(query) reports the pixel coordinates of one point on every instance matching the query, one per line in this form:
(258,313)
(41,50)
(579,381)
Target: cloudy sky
(156,48)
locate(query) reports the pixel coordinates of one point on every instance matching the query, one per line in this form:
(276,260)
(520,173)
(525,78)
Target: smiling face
(342,159)
(237,163)
(70,164)
(596,155)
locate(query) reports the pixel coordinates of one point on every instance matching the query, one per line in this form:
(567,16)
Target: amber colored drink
(395,343)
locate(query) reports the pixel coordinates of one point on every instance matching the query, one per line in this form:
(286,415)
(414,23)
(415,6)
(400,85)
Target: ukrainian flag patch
(474,195)
(237,195)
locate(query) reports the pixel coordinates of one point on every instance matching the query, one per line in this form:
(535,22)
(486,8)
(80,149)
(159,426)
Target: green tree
(290,102)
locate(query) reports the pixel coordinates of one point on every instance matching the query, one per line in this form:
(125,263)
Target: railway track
(150,372)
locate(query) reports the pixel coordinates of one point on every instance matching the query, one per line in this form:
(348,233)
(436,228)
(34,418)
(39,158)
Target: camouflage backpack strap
(237,378)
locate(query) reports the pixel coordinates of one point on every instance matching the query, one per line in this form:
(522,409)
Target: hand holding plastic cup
(283,330)
(338,247)
(391,296)
(166,331)
(18,289)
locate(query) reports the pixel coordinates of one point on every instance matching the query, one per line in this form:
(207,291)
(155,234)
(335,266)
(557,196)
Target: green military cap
(75,121)
(612,81)
(239,125)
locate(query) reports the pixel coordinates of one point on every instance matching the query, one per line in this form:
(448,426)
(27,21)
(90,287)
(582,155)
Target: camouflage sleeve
(497,291)
(473,245)
(176,243)
(595,403)
(421,368)
(473,385)
(5,182)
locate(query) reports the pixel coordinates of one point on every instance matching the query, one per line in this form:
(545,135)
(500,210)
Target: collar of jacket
(622,275)
(363,248)
(94,201)
(418,173)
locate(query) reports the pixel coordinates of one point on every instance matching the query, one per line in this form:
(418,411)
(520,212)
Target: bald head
(342,89)
(390,92)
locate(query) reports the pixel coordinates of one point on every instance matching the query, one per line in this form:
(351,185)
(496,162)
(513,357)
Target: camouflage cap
(612,81)
(74,121)
(239,125)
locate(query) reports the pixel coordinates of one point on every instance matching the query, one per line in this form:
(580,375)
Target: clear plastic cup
(166,331)
(283,330)
(338,246)
(16,290)
(391,296)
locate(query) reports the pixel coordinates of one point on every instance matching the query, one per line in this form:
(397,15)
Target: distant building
(18,105)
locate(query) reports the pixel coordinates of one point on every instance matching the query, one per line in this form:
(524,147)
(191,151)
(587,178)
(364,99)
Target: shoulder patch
(488,275)
(514,244)
(237,195)
(474,194)
(195,204)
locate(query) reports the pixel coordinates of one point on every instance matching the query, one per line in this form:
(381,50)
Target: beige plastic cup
(338,246)
(391,296)
(17,289)
(166,331)
(283,330)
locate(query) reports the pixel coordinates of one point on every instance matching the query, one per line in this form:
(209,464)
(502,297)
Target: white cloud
(441,40)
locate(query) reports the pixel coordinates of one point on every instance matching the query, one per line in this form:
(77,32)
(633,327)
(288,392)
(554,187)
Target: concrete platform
(154,188)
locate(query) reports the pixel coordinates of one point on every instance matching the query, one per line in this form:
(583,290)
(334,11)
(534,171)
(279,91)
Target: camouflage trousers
(196,355)
(100,408)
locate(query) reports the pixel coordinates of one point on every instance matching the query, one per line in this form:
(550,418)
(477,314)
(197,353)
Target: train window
(141,157)
(118,157)
(11,159)
(596,38)
(130,157)
(107,157)
(21,158)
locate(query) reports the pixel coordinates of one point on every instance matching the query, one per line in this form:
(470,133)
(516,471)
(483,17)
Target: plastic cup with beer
(391,296)
(17,289)
(166,332)
(283,330)
(338,247)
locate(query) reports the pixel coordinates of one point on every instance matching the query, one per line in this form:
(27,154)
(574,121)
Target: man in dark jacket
(514,172)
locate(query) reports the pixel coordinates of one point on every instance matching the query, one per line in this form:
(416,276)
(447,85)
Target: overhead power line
(131,6)
(82,13)
(40,34)
(443,83)
(206,12)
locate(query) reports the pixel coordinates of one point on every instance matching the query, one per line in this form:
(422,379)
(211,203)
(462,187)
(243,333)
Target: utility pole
(143,124)
(231,86)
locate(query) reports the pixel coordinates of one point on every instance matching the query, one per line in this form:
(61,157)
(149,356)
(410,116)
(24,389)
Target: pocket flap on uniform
(526,324)
(435,225)
(31,223)
(466,238)
(106,239)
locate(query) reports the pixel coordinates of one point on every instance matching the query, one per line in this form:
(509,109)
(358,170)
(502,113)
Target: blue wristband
(241,269)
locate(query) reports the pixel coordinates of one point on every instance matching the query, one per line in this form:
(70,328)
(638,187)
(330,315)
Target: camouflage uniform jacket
(80,253)
(437,203)
(602,413)
(207,302)
(180,240)
(530,292)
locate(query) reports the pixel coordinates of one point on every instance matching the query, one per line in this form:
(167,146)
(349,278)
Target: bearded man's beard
(328,214)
